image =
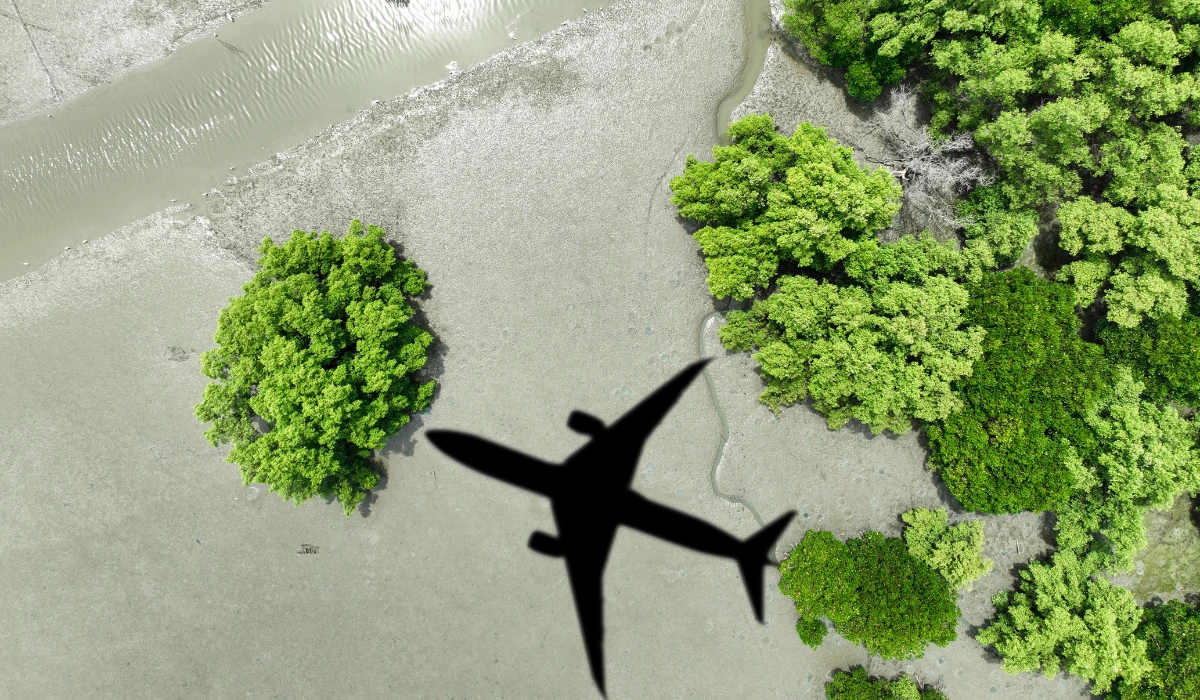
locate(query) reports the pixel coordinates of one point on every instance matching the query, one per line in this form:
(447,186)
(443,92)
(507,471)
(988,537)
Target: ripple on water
(266,82)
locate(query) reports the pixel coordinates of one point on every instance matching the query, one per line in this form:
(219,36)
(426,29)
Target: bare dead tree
(934,174)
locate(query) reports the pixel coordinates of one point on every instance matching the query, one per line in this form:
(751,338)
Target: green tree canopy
(882,348)
(769,198)
(954,552)
(1061,617)
(321,347)
(1172,636)
(1008,449)
(1076,101)
(855,684)
(873,591)
(1146,458)
(1162,354)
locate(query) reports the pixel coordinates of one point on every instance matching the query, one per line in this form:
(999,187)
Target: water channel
(168,132)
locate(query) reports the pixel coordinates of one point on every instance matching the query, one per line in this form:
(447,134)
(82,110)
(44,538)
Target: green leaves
(769,198)
(320,346)
(1172,636)
(883,351)
(857,685)
(873,591)
(954,552)
(1146,458)
(1060,618)
(1024,403)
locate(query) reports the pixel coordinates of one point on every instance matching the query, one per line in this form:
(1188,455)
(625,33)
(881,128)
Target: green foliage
(319,346)
(1061,618)
(855,684)
(1172,636)
(1159,249)
(954,552)
(1008,449)
(1145,460)
(1007,231)
(873,591)
(1076,101)
(883,348)
(1163,355)
(769,198)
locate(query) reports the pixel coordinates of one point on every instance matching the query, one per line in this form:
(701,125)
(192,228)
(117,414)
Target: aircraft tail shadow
(755,554)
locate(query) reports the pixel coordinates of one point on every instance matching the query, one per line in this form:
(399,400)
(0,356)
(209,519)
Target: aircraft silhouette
(590,497)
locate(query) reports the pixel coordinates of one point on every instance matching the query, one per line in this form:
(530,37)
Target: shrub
(769,198)
(321,347)
(882,348)
(1172,636)
(954,552)
(1062,618)
(873,591)
(857,685)
(1009,448)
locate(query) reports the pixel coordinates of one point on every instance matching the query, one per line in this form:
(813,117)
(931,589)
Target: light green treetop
(882,351)
(954,552)
(321,347)
(1061,618)
(769,198)
(1147,457)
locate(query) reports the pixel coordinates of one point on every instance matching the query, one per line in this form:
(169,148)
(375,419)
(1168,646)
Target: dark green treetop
(321,347)
(1172,636)
(873,591)
(1011,447)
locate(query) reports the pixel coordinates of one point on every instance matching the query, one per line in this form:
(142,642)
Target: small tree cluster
(954,552)
(320,347)
(873,591)
(855,684)
(1062,618)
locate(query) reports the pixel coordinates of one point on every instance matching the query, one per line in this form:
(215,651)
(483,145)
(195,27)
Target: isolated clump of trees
(321,349)
(893,595)
(855,684)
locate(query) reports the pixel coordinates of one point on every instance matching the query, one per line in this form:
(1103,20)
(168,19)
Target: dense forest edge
(1065,381)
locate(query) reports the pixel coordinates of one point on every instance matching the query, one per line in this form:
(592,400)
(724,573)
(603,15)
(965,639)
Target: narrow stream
(269,80)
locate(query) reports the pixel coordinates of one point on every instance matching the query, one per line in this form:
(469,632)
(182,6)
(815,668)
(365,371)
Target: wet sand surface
(51,52)
(534,191)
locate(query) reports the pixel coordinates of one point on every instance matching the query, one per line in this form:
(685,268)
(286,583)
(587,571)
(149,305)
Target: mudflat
(533,189)
(51,52)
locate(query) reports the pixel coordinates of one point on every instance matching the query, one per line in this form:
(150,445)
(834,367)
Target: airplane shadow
(591,497)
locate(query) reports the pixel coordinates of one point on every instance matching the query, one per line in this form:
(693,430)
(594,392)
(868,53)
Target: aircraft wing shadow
(498,461)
